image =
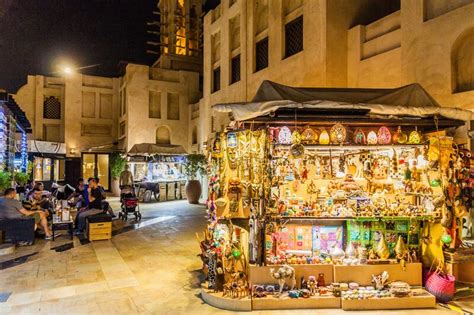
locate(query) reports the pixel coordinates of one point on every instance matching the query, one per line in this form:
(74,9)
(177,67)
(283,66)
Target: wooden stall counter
(261,274)
(421,299)
(362,274)
(273,302)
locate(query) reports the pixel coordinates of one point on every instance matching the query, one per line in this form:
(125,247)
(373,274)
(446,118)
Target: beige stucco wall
(140,128)
(423,55)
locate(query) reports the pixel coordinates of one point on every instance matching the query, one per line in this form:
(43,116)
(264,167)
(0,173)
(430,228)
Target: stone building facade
(344,44)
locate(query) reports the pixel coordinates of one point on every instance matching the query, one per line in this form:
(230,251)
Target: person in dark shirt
(95,205)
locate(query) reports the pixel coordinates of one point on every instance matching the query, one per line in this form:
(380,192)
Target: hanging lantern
(309,136)
(400,137)
(384,136)
(296,137)
(359,136)
(338,134)
(372,138)
(231,140)
(284,136)
(415,137)
(297,150)
(324,137)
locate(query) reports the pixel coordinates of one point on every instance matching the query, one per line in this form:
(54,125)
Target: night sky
(38,35)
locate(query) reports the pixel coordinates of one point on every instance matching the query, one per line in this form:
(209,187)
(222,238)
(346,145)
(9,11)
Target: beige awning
(147,149)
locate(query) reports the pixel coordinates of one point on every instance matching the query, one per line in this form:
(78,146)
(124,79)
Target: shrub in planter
(5,180)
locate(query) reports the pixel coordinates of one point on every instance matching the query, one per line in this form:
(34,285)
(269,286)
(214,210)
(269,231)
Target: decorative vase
(324,137)
(372,138)
(400,137)
(384,136)
(415,137)
(193,191)
(351,251)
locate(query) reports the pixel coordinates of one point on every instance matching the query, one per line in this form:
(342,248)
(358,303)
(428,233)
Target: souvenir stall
(158,171)
(344,202)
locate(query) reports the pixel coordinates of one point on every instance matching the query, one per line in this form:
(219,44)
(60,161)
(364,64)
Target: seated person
(38,202)
(95,205)
(10,208)
(79,198)
(105,204)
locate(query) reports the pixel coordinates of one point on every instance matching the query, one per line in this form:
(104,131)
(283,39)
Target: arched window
(163,135)
(463,62)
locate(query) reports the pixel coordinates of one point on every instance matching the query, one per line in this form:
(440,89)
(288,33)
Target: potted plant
(195,164)
(5,181)
(117,165)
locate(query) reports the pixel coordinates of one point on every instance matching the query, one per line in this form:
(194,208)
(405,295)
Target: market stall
(158,171)
(340,196)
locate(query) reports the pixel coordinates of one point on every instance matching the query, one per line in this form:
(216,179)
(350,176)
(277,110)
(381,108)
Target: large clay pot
(115,188)
(193,191)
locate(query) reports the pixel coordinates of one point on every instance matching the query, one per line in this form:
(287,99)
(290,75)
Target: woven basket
(441,286)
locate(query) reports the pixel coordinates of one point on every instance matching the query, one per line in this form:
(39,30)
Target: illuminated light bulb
(324,137)
(372,138)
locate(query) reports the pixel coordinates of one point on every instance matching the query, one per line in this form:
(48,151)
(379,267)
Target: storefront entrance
(96,165)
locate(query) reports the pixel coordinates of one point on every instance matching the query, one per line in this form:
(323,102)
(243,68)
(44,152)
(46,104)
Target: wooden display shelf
(392,303)
(273,302)
(216,299)
(362,274)
(261,274)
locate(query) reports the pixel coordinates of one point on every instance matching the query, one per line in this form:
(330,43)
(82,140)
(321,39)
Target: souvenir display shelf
(349,204)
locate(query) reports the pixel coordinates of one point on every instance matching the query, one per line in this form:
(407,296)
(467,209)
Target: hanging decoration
(297,150)
(400,137)
(324,137)
(415,137)
(284,136)
(309,136)
(338,134)
(296,137)
(372,138)
(359,136)
(384,136)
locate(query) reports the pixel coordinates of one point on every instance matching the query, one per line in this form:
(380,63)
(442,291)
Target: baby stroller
(129,204)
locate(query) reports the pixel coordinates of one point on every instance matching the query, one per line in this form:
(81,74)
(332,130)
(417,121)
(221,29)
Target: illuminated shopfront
(96,165)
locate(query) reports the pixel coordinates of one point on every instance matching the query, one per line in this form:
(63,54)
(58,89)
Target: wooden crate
(99,231)
(362,274)
(392,303)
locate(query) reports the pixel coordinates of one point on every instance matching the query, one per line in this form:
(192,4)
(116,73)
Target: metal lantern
(359,136)
(284,136)
(384,136)
(415,137)
(296,137)
(309,136)
(324,137)
(372,138)
(400,137)
(338,134)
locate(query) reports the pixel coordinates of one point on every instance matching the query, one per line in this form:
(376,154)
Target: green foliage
(117,164)
(5,180)
(21,178)
(195,163)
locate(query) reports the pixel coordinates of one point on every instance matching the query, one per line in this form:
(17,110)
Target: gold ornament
(400,137)
(324,137)
(372,138)
(338,134)
(382,248)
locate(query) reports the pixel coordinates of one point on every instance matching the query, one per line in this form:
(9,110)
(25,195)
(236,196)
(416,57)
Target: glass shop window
(42,169)
(59,170)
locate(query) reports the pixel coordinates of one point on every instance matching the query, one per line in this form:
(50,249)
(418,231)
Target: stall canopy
(147,149)
(409,100)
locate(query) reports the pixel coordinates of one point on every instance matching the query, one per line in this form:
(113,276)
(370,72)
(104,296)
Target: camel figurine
(283,273)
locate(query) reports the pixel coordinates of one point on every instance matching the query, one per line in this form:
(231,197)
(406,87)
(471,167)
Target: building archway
(462,62)
(163,135)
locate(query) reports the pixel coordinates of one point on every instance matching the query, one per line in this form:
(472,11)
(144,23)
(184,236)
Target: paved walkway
(152,270)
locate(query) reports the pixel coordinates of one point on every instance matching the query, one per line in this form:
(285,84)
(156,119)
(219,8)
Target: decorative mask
(338,134)
(400,137)
(359,136)
(284,136)
(384,136)
(372,138)
(324,137)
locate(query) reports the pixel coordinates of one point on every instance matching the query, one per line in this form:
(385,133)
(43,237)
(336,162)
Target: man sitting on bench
(10,208)
(95,205)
